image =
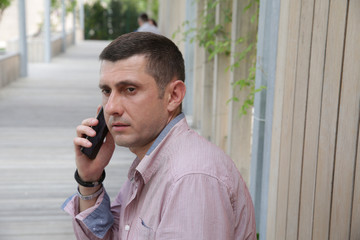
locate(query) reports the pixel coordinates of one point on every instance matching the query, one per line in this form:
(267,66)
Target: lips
(119,126)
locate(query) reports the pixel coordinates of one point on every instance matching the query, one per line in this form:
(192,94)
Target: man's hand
(90,170)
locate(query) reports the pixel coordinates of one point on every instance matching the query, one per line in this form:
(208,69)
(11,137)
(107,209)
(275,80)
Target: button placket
(129,209)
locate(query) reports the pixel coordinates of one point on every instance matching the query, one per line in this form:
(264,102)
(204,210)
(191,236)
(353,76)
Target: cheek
(107,117)
(146,104)
(148,114)
(104,101)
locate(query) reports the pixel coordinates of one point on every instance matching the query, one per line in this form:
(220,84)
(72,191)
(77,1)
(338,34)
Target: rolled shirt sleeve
(97,222)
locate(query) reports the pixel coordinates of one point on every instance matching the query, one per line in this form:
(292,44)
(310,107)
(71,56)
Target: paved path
(38,116)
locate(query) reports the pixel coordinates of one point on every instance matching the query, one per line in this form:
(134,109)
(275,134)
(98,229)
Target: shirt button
(127,227)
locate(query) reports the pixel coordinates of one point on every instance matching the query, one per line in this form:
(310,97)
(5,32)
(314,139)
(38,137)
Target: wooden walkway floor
(38,116)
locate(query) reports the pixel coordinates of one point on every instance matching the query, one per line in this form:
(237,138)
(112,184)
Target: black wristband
(89,184)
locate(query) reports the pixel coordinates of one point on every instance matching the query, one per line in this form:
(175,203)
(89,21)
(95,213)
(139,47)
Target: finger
(98,109)
(90,122)
(82,130)
(82,142)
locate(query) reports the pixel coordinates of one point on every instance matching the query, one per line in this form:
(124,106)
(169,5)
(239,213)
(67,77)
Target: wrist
(84,193)
(88,176)
(89,184)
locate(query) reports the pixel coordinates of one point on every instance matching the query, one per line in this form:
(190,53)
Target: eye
(130,89)
(105,91)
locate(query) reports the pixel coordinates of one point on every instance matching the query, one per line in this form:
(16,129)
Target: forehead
(137,62)
(132,68)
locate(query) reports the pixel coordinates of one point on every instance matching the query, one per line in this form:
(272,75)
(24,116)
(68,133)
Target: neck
(140,153)
(174,114)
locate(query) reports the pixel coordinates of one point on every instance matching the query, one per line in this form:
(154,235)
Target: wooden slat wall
(277,129)
(329,112)
(288,107)
(348,129)
(355,221)
(215,118)
(316,76)
(318,183)
(299,112)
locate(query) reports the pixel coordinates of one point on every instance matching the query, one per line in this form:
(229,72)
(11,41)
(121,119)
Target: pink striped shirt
(184,188)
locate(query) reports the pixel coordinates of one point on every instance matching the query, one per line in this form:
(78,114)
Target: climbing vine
(3,5)
(70,5)
(216,39)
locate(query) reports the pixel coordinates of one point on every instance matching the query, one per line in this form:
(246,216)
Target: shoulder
(189,154)
(199,169)
(183,152)
(194,153)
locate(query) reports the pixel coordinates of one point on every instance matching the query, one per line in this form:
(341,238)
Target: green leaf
(235,99)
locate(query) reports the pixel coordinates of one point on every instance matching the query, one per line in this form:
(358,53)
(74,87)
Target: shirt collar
(150,163)
(164,132)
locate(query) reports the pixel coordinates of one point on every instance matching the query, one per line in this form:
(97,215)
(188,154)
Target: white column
(82,16)
(63,22)
(74,26)
(22,38)
(47,31)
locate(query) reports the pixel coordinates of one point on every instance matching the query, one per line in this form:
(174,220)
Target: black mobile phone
(101,131)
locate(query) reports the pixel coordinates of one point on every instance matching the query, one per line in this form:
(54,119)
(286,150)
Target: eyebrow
(118,84)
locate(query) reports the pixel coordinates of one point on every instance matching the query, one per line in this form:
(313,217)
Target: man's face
(134,113)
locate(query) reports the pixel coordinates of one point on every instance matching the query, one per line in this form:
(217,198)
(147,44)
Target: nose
(113,106)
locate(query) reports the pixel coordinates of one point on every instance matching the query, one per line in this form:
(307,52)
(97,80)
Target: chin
(123,144)
(120,141)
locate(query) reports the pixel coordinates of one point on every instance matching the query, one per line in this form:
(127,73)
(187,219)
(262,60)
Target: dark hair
(164,59)
(144,17)
(153,22)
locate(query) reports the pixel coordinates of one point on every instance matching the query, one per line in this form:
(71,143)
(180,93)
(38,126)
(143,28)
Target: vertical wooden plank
(348,127)
(199,56)
(287,118)
(167,28)
(208,84)
(239,131)
(316,76)
(207,98)
(198,90)
(221,83)
(355,221)
(328,123)
(277,120)
(297,141)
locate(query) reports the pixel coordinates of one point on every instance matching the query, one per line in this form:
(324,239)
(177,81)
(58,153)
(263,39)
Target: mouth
(118,126)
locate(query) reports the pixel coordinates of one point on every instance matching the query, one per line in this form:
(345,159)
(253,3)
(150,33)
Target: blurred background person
(153,22)
(145,25)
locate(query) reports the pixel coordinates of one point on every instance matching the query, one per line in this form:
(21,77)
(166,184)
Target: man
(145,24)
(180,186)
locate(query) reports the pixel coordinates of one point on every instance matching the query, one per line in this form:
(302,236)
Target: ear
(176,94)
